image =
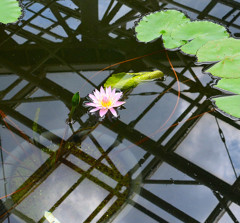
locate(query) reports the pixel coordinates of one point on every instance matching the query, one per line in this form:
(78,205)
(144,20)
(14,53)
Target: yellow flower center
(106,102)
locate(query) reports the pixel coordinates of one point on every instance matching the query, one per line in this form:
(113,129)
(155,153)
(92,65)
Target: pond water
(168,157)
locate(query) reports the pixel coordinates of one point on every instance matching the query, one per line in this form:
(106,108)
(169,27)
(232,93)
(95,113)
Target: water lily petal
(112,95)
(108,91)
(97,94)
(102,112)
(113,111)
(95,109)
(118,103)
(93,98)
(117,96)
(91,104)
(102,92)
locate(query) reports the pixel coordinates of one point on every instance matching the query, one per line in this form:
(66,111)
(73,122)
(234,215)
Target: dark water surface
(164,159)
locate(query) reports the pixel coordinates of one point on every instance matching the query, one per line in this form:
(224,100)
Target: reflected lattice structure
(60,40)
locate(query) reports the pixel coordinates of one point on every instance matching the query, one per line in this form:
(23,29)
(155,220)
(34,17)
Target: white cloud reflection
(81,202)
(204,147)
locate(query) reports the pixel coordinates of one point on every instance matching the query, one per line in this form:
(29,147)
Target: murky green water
(168,156)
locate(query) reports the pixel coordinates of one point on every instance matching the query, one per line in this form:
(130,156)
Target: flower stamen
(106,102)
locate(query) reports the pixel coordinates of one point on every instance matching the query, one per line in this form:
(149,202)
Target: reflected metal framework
(54,36)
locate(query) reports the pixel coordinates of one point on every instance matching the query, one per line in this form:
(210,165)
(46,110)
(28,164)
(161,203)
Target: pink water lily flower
(105,100)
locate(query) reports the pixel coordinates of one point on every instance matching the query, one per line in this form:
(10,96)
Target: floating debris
(50,217)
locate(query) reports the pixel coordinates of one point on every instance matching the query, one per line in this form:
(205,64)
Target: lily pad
(229,67)
(129,80)
(218,49)
(160,23)
(227,51)
(231,85)
(229,104)
(10,11)
(198,33)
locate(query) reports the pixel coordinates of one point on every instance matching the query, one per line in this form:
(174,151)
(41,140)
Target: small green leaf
(229,104)
(160,23)
(198,33)
(227,51)
(231,85)
(10,11)
(130,80)
(75,99)
(75,102)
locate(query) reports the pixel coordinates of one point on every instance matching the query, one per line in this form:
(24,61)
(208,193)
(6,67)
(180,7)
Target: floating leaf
(227,51)
(198,33)
(160,23)
(231,85)
(130,80)
(229,104)
(9,11)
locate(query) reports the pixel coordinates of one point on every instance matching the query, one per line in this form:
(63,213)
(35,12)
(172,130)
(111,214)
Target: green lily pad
(229,67)
(10,11)
(231,85)
(229,104)
(171,43)
(218,49)
(198,33)
(227,51)
(160,23)
(129,80)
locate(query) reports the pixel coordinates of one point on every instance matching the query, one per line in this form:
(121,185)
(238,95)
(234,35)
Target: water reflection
(147,165)
(209,146)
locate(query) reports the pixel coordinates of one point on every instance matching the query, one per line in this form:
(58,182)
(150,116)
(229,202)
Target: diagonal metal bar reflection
(45,84)
(177,161)
(160,153)
(166,206)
